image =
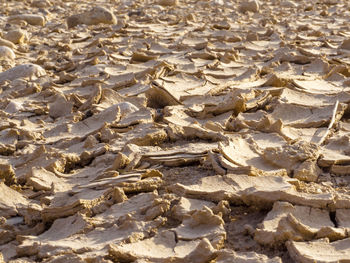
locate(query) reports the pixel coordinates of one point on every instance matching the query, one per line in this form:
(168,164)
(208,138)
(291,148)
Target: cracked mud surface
(174,131)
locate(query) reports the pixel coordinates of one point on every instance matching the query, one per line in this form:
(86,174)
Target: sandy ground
(174,131)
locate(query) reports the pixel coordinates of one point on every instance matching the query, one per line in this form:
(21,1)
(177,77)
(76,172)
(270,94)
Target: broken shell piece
(35,20)
(319,251)
(22,71)
(6,53)
(95,16)
(16,36)
(251,6)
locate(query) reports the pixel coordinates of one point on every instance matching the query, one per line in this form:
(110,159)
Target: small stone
(6,53)
(251,6)
(289,4)
(168,2)
(345,44)
(16,36)
(4,42)
(95,16)
(41,3)
(22,71)
(35,20)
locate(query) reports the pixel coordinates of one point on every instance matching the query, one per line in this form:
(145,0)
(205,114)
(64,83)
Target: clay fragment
(320,250)
(11,202)
(227,256)
(298,223)
(153,250)
(291,156)
(307,171)
(251,190)
(42,179)
(202,224)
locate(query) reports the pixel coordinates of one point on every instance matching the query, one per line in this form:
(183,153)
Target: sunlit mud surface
(174,131)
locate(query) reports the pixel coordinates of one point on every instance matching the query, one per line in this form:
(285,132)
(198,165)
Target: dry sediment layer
(174,131)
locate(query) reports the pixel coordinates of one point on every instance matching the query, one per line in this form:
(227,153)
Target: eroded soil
(174,131)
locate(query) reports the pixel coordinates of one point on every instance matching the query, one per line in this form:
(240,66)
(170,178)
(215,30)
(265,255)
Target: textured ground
(174,131)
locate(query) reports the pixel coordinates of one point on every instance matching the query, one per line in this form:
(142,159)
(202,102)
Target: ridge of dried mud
(174,131)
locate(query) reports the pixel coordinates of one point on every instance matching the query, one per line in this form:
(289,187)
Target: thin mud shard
(287,222)
(321,250)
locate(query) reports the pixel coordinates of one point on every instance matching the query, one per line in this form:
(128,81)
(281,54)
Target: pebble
(251,6)
(13,107)
(289,4)
(345,44)
(95,16)
(6,53)
(22,71)
(168,2)
(16,36)
(35,20)
(4,42)
(41,3)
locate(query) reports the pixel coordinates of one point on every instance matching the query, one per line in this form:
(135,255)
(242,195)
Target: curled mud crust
(174,131)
